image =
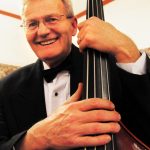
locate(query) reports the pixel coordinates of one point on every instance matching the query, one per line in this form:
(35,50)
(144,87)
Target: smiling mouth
(44,43)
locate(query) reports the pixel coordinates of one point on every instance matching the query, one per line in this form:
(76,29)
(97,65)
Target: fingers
(89,104)
(93,140)
(87,33)
(96,103)
(76,96)
(100,116)
(81,36)
(96,134)
(99,128)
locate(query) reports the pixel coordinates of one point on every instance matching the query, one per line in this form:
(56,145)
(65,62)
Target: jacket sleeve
(134,104)
(7,139)
(8,143)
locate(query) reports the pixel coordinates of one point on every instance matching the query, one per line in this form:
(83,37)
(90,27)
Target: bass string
(104,66)
(102,61)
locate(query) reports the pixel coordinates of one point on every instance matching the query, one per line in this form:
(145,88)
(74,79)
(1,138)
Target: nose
(43,30)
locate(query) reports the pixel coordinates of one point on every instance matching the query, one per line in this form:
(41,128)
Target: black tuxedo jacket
(22,101)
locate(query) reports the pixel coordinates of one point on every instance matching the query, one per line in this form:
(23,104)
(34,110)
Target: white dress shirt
(57,91)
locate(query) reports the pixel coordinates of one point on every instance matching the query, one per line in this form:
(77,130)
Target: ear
(74,26)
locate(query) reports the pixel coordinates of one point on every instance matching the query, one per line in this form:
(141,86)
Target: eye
(51,19)
(32,25)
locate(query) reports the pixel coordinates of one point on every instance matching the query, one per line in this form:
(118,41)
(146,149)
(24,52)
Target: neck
(56,61)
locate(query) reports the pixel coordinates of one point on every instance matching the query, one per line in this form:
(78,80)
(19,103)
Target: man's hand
(74,124)
(102,36)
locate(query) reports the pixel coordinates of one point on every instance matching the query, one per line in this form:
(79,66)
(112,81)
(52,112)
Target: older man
(33,112)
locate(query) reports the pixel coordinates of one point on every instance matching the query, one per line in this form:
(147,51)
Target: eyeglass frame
(57,18)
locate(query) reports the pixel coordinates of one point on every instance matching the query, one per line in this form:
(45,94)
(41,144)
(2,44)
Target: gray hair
(69,8)
(67,4)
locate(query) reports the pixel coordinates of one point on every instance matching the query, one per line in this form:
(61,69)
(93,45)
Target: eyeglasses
(49,21)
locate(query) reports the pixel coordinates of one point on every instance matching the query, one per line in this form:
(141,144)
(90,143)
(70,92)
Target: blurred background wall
(129,16)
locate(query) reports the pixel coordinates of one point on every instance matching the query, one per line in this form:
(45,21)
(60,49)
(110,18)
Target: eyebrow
(48,15)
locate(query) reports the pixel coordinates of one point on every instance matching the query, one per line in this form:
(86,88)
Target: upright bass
(96,84)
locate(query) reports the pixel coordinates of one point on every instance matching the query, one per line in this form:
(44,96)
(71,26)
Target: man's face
(50,43)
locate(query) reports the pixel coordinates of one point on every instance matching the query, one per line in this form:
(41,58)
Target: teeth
(48,42)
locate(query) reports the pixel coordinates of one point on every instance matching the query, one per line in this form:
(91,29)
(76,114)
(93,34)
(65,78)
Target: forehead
(39,8)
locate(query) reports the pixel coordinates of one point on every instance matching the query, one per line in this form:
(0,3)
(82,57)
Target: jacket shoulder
(14,79)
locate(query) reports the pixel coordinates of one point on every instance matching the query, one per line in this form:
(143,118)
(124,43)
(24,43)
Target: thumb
(76,96)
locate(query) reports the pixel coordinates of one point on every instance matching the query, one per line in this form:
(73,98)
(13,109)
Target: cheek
(67,41)
(30,38)
(67,34)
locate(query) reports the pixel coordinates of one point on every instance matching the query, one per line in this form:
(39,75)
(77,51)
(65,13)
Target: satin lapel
(30,98)
(76,69)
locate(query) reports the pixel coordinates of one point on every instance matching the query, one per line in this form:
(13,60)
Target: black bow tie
(50,74)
